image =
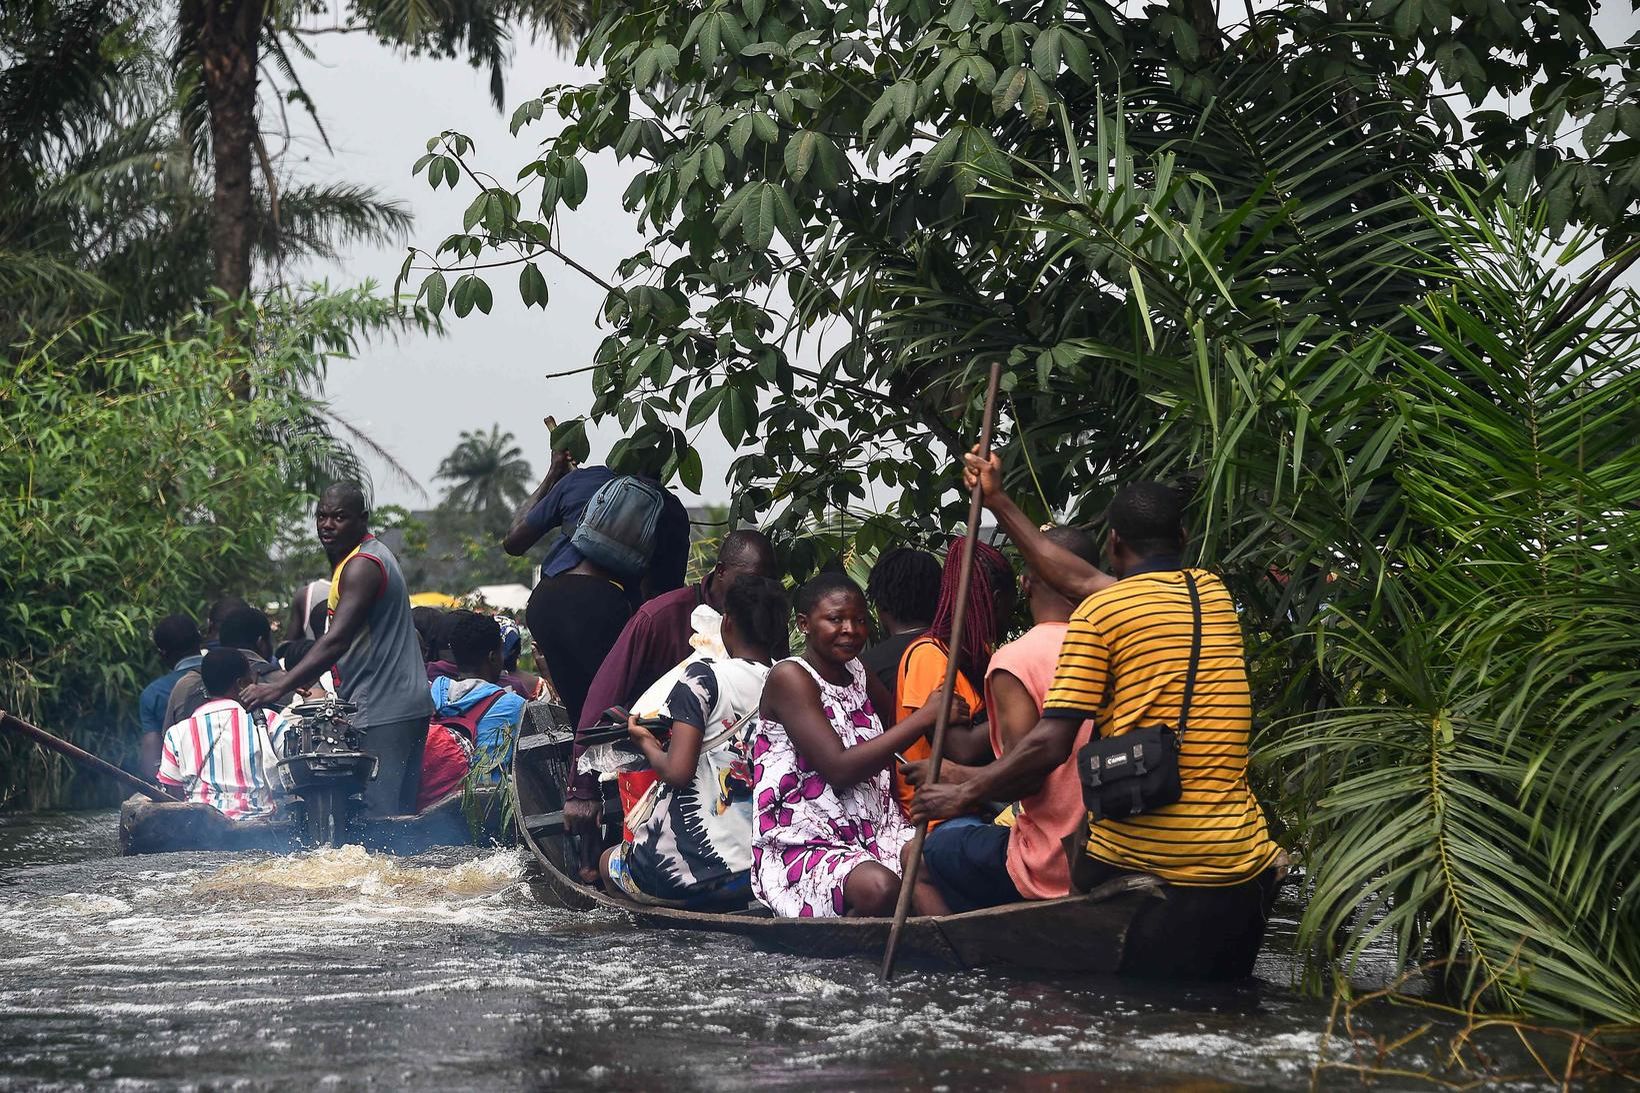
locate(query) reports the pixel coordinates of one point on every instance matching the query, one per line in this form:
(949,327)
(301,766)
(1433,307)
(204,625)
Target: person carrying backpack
(616,547)
(473,705)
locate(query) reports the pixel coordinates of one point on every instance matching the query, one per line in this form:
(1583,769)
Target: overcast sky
(416,395)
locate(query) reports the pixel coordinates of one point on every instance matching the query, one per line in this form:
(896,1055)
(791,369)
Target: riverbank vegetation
(140,483)
(150,223)
(1303,262)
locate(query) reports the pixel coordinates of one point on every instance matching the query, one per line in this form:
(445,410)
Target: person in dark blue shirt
(177,639)
(559,501)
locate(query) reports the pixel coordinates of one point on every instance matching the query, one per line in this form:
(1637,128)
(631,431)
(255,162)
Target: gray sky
(415,396)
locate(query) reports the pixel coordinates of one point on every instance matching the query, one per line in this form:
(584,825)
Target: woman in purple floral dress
(827,829)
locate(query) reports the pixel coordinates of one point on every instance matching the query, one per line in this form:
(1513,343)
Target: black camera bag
(1138,771)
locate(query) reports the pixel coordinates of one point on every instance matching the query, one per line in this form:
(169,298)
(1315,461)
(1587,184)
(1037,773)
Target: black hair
(221,609)
(318,619)
(905,582)
(176,634)
(746,546)
(822,585)
(429,625)
(243,628)
(290,653)
(470,636)
(760,610)
(221,669)
(1149,518)
(1079,541)
(349,492)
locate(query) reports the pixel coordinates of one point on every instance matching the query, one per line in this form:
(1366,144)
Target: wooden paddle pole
(959,615)
(84,758)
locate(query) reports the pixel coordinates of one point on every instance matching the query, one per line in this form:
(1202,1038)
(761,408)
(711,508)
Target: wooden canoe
(154,827)
(1131,925)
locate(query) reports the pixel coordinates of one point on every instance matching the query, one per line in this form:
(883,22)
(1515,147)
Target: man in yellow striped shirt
(1123,664)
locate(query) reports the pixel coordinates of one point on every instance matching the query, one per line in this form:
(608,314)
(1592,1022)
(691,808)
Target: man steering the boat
(372,647)
(1126,663)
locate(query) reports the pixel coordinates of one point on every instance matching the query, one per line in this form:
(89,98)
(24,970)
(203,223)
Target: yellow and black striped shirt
(1123,664)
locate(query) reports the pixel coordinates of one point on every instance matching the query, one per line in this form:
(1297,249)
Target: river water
(344,969)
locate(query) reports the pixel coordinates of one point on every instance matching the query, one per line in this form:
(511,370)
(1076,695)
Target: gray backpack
(617,529)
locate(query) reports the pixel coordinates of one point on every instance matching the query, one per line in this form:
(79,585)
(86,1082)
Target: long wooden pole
(959,615)
(80,755)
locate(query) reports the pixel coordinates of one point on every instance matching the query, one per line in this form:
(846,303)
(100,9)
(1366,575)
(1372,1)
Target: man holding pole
(1124,664)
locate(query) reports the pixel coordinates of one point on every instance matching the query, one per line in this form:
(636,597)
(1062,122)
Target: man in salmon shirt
(1016,681)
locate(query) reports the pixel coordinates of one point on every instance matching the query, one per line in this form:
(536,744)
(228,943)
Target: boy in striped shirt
(222,756)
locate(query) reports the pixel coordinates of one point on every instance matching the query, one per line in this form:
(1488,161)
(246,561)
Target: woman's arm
(792,698)
(674,763)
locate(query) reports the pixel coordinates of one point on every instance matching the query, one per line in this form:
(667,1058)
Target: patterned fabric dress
(808,837)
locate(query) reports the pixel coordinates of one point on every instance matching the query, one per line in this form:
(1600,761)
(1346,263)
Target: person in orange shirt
(991,595)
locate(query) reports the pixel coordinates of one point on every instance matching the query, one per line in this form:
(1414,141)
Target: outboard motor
(324,766)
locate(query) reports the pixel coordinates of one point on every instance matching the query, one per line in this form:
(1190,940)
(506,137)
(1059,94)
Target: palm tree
(488,474)
(221,47)
(105,202)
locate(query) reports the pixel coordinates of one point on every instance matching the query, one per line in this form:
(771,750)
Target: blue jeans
(967,860)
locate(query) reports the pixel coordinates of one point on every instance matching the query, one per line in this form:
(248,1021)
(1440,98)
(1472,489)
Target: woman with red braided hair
(991,595)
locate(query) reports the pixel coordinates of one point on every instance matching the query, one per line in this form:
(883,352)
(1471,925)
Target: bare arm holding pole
(1070,576)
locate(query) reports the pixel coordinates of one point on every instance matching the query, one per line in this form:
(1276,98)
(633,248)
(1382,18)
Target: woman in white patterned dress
(827,829)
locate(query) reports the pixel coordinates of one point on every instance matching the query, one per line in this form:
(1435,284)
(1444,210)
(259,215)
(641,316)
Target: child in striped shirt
(223,756)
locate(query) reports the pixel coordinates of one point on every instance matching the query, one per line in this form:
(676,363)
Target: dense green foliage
(1272,260)
(137,486)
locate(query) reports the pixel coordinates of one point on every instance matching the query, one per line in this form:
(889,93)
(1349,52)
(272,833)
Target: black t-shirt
(575,620)
(883,659)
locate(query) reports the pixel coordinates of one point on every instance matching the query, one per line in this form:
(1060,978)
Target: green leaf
(690,471)
(766,128)
(532,286)
(1599,127)
(936,158)
(658,59)
(433,288)
(731,421)
(1037,100)
(880,110)
(462,298)
(703,405)
(757,224)
(1517,176)
(739,134)
(571,437)
(574,185)
(1009,87)
(800,152)
(1409,17)
(711,37)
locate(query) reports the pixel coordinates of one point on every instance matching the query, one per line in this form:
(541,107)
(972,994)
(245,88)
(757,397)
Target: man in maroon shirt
(655,640)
